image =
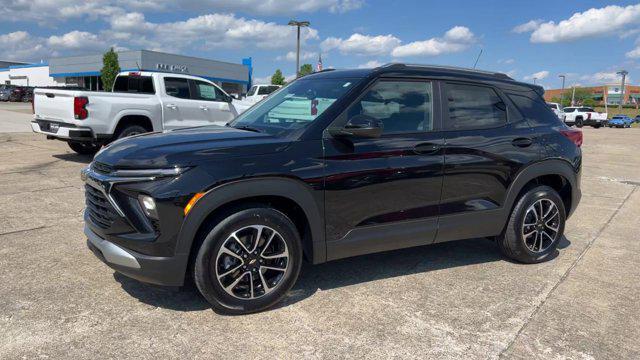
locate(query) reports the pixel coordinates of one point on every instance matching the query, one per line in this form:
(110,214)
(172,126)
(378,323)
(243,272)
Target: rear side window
(474,107)
(534,109)
(553,106)
(177,87)
(134,84)
(585,110)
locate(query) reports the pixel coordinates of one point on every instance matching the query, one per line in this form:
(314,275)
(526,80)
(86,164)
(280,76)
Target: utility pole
(624,77)
(298,24)
(573,96)
(534,80)
(562,91)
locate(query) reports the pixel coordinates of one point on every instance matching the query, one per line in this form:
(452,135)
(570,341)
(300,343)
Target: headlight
(148,205)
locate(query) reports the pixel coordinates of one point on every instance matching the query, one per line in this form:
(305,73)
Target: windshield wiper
(248,128)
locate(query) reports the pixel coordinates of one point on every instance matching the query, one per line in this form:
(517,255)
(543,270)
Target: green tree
(589,102)
(110,69)
(306,69)
(277,78)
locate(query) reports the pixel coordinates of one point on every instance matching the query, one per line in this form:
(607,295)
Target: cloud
(594,22)
(538,76)
(23,46)
(370,64)
(527,27)
(304,55)
(362,44)
(456,39)
(58,11)
(634,54)
(76,40)
(506,61)
(604,77)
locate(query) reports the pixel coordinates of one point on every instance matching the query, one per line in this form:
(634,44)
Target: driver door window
(401,106)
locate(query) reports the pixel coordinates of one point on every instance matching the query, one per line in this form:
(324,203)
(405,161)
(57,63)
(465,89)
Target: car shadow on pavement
(183,299)
(77,158)
(340,273)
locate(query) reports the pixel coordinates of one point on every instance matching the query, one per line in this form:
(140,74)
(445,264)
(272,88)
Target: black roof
(427,70)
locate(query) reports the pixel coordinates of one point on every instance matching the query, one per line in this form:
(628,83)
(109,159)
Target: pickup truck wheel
(131,130)
(248,261)
(596,126)
(579,122)
(84,148)
(535,227)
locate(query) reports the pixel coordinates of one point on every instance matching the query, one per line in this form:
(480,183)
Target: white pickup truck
(581,116)
(140,102)
(259,92)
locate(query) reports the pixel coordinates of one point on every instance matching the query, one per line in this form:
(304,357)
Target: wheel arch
(556,173)
(286,195)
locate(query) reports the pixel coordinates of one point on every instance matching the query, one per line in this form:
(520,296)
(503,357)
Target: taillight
(574,135)
(79,107)
(33,101)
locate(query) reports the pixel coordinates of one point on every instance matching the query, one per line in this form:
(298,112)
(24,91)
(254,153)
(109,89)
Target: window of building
(402,106)
(474,107)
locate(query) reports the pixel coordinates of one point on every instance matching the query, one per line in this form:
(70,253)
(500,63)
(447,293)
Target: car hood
(187,147)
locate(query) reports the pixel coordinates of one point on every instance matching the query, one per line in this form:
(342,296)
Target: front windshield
(294,106)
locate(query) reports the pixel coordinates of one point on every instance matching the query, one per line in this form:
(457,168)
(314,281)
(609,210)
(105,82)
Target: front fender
(293,190)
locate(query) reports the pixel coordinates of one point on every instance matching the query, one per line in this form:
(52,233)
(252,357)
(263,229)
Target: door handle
(172,106)
(202,107)
(522,142)
(426,148)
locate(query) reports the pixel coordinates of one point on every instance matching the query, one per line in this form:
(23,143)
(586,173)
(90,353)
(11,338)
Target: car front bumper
(166,271)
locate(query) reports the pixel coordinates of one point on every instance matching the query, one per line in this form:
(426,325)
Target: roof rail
(443,67)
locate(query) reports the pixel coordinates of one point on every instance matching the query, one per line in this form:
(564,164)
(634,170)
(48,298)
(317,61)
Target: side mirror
(360,126)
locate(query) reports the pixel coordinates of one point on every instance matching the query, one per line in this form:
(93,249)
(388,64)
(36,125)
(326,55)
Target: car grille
(99,209)
(101,168)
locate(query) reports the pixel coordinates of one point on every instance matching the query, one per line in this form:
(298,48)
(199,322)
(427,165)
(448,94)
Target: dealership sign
(172,68)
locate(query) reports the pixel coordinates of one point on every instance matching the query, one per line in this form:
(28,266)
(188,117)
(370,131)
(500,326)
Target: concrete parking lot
(452,300)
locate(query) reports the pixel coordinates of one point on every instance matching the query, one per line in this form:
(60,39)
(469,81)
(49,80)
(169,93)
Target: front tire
(535,227)
(84,148)
(579,122)
(248,261)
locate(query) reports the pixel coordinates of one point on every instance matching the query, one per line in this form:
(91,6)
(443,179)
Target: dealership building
(84,71)
(610,93)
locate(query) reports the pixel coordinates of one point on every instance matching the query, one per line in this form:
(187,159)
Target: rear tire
(535,227)
(579,122)
(239,275)
(84,148)
(131,130)
(596,126)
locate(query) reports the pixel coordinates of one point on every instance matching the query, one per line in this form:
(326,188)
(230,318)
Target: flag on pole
(319,66)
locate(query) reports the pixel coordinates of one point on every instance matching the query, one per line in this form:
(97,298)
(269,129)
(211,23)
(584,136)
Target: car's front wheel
(535,227)
(248,261)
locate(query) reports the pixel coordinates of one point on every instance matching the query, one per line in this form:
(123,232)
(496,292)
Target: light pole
(562,91)
(624,76)
(534,80)
(298,24)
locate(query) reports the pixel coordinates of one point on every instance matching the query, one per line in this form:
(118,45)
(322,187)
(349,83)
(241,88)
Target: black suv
(335,164)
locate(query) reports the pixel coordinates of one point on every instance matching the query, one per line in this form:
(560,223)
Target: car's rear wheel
(84,148)
(131,130)
(248,261)
(596,126)
(535,227)
(579,122)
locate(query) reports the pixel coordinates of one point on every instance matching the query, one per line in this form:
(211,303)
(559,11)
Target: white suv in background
(557,109)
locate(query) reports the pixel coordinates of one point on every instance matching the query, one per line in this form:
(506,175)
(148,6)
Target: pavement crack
(25,230)
(565,275)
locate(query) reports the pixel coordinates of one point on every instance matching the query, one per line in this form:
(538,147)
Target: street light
(562,91)
(534,80)
(298,24)
(624,74)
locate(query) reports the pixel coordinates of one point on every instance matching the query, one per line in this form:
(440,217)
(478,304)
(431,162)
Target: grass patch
(613,110)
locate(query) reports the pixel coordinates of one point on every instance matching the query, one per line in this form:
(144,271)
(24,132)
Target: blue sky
(587,40)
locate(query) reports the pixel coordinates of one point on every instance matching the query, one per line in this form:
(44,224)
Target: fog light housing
(148,205)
